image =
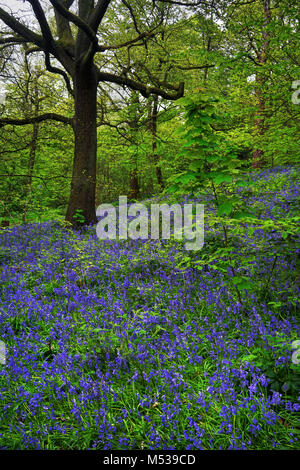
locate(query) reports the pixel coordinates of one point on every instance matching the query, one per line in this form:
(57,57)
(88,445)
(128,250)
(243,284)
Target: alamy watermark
(2,353)
(153,223)
(296,94)
(296,354)
(2,97)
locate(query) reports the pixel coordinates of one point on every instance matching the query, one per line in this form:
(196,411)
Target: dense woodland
(141,344)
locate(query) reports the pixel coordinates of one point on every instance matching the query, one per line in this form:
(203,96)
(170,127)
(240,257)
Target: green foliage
(283,376)
(215,170)
(78,216)
(212,167)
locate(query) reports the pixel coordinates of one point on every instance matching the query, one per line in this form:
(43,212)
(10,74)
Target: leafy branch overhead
(72,52)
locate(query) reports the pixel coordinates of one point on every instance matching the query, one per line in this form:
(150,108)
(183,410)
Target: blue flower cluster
(111,346)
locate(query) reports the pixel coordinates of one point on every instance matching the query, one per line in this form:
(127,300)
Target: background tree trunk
(154,143)
(134,188)
(33,143)
(32,147)
(134,191)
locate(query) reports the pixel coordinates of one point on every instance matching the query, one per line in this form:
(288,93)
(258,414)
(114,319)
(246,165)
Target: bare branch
(148,35)
(127,5)
(58,71)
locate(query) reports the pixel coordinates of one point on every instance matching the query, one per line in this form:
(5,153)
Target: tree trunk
(208,48)
(31,163)
(155,156)
(81,209)
(32,149)
(34,140)
(134,191)
(134,187)
(33,145)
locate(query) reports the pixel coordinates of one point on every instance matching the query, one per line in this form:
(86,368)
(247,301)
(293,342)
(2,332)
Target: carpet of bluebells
(110,345)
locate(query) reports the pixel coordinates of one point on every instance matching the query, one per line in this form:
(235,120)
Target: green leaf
(225,208)
(242,282)
(186,178)
(249,358)
(242,214)
(222,178)
(245,285)
(195,165)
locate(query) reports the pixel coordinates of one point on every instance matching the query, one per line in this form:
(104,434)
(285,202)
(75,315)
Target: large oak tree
(71,52)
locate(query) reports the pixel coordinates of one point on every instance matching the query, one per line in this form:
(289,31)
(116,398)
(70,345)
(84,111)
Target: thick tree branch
(40,16)
(145,90)
(80,23)
(31,50)
(63,28)
(20,29)
(185,4)
(193,67)
(165,84)
(98,14)
(36,119)
(13,40)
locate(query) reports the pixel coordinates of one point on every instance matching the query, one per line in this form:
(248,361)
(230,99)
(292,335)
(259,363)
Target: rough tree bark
(83,185)
(155,156)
